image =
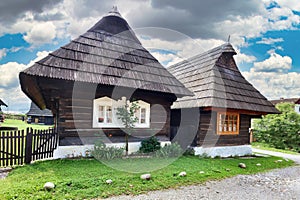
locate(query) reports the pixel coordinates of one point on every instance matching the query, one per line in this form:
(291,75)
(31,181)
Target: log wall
(207,130)
(74,113)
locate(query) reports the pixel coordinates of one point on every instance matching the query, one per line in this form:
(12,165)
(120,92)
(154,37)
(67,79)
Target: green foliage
(150,145)
(281,131)
(85,178)
(126,115)
(189,152)
(172,150)
(102,152)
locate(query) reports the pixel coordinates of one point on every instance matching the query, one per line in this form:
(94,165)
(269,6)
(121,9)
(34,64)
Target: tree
(126,114)
(280,130)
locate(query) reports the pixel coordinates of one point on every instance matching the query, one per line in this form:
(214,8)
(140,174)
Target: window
(105,113)
(143,115)
(228,123)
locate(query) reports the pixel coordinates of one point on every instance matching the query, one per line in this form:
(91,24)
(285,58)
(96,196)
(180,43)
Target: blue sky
(265,34)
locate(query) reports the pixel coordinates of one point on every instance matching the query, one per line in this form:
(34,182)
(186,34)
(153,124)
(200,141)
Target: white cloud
(275,85)
(10,90)
(9,74)
(3,53)
(270,40)
(292,4)
(275,63)
(244,58)
(41,34)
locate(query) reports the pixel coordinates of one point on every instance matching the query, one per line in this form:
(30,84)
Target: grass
(23,125)
(265,146)
(85,178)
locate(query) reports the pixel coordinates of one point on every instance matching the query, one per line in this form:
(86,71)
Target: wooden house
(37,116)
(295,101)
(224,101)
(83,82)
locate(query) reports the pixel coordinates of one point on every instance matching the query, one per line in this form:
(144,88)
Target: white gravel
(279,184)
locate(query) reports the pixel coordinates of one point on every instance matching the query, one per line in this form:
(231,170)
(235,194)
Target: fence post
(28,146)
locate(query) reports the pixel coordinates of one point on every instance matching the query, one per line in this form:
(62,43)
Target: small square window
(228,123)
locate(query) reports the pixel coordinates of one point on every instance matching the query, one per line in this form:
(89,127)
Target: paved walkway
(295,158)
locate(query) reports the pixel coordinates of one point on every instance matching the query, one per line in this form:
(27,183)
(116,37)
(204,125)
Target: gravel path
(295,158)
(279,184)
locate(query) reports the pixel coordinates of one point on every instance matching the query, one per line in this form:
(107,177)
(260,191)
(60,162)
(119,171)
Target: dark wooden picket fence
(24,146)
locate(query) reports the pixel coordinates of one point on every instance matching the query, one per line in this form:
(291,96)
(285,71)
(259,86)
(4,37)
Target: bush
(172,150)
(281,131)
(101,151)
(150,145)
(189,152)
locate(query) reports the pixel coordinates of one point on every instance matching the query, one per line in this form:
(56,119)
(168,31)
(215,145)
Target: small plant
(172,150)
(126,114)
(189,152)
(150,145)
(101,151)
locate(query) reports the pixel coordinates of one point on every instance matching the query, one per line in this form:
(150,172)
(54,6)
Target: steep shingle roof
(109,53)
(36,111)
(217,82)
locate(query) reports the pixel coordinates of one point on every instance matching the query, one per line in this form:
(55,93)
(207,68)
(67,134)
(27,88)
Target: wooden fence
(24,146)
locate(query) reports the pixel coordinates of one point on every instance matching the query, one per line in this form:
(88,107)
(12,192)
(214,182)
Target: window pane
(101,114)
(228,123)
(137,115)
(108,114)
(143,115)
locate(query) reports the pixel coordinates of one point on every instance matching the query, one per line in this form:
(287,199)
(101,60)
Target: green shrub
(101,151)
(189,152)
(281,131)
(172,150)
(150,145)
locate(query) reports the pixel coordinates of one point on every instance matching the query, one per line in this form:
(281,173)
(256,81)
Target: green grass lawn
(265,146)
(85,178)
(23,125)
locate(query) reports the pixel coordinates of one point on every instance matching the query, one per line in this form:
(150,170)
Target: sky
(265,34)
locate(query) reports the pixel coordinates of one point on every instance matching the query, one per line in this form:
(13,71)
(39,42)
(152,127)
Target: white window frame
(117,123)
(146,106)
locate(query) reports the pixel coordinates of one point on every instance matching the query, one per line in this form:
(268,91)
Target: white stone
(109,181)
(201,172)
(228,151)
(146,176)
(258,164)
(49,186)
(242,165)
(278,161)
(182,174)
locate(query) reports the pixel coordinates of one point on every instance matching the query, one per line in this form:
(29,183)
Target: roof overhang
(31,88)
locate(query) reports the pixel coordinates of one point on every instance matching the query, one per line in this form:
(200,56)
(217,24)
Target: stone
(258,164)
(146,177)
(49,186)
(182,174)
(201,172)
(227,169)
(242,165)
(278,161)
(109,181)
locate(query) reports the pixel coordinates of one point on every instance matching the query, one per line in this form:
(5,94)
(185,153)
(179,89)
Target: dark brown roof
(289,100)
(36,111)
(109,53)
(217,82)
(2,103)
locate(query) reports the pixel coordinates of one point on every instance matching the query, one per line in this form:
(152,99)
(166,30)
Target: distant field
(23,125)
